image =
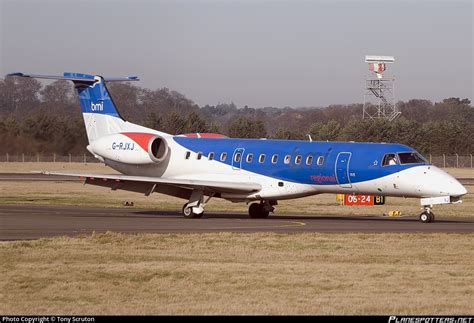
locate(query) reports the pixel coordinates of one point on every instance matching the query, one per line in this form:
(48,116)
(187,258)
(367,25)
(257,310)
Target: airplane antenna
(379,99)
(309,136)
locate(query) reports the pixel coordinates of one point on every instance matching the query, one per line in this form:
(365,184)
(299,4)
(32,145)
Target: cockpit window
(390,159)
(411,158)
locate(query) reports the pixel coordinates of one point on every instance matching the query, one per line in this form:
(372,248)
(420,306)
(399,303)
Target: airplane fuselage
(292,168)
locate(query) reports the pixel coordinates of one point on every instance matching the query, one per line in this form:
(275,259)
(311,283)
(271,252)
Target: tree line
(37,118)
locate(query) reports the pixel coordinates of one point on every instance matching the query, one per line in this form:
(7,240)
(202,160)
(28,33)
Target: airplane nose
(458,189)
(450,185)
(433,181)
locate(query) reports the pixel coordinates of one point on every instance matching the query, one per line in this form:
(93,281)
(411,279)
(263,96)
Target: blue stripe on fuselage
(365,162)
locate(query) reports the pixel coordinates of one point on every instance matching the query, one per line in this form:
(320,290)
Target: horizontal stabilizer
(76,77)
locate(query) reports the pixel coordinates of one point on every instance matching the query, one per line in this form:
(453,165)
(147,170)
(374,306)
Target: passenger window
(237,157)
(320,161)
(223,156)
(309,160)
(298,160)
(287,159)
(188,154)
(261,158)
(274,159)
(249,158)
(389,159)
(210,156)
(199,155)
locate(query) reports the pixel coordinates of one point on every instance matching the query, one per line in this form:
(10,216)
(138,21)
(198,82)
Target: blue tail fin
(93,94)
(101,116)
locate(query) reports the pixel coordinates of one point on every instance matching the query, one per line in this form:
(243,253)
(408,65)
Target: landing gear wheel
(427,217)
(188,213)
(257,211)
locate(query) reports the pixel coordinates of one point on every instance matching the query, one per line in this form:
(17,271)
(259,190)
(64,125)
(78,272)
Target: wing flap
(148,184)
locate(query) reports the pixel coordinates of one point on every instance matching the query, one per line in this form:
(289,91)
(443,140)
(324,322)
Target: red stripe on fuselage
(203,135)
(140,138)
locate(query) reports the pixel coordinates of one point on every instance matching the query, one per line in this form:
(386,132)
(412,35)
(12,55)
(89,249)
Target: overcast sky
(256,53)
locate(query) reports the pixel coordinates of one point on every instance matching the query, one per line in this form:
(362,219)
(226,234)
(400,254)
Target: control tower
(379,99)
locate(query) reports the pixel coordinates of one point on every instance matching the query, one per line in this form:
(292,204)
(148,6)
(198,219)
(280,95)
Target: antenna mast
(379,99)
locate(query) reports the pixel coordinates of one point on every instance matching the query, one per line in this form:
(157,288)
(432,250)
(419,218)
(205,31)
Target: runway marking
(300,223)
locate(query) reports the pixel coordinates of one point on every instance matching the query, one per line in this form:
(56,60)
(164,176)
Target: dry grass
(74,193)
(228,273)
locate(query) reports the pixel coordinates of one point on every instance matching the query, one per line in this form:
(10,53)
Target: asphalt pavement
(18,222)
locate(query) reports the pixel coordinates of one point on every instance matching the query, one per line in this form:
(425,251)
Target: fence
(451,161)
(443,161)
(54,158)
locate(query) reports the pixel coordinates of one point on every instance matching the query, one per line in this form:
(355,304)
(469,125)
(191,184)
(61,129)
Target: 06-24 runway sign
(363,200)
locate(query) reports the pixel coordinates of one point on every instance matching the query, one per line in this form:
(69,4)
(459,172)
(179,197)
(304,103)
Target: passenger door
(342,169)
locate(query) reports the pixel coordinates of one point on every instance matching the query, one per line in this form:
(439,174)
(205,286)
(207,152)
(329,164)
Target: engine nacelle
(134,148)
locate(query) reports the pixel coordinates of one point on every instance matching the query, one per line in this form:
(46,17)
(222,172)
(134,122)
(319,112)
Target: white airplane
(198,167)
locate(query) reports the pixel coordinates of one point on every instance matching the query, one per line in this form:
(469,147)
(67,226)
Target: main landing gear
(427,216)
(194,209)
(191,212)
(262,209)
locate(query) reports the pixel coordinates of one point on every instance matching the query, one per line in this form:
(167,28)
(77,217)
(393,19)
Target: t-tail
(101,116)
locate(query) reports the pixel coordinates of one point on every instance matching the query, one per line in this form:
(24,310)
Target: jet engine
(131,148)
(158,149)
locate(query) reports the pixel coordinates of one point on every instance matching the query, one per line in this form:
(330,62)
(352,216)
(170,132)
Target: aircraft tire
(189,214)
(426,217)
(257,211)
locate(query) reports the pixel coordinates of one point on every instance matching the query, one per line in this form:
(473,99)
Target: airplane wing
(148,185)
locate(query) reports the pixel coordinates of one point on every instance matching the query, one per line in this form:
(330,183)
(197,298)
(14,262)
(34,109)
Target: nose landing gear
(427,203)
(427,216)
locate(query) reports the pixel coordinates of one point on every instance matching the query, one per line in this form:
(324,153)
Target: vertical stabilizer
(101,116)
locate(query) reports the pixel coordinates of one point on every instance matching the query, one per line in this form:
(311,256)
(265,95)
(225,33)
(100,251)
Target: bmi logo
(97,106)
